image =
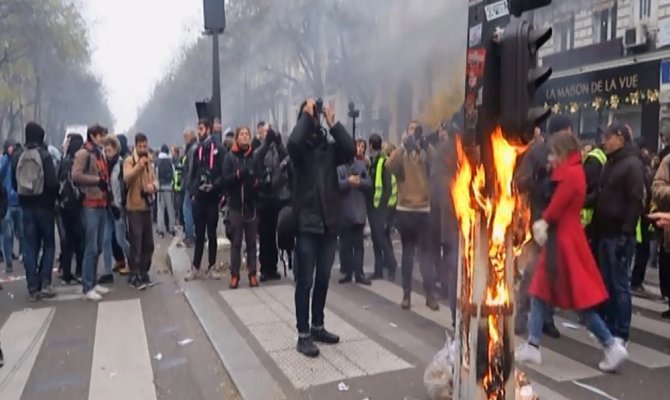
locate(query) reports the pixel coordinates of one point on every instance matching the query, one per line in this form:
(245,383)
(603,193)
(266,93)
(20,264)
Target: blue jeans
(594,323)
(95,220)
(107,243)
(189,225)
(615,256)
(121,233)
(314,253)
(11,227)
(39,231)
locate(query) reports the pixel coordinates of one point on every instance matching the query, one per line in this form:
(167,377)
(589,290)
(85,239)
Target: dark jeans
(380,230)
(206,218)
(95,220)
(351,250)
(73,243)
(141,239)
(615,259)
(39,233)
(664,272)
(179,207)
(243,226)
(642,253)
(315,254)
(415,237)
(267,237)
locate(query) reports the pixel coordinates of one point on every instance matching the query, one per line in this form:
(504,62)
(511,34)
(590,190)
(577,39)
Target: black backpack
(165,171)
(70,196)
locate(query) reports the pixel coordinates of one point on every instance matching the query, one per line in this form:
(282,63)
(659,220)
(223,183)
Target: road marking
(268,313)
(554,365)
(655,306)
(121,369)
(23,334)
(639,354)
(650,325)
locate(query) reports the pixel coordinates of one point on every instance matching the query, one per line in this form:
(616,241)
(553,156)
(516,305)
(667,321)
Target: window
(564,35)
(604,25)
(645,9)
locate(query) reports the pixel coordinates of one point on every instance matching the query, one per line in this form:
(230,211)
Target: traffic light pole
(216,81)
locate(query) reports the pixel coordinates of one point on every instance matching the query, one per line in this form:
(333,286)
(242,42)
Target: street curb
(251,379)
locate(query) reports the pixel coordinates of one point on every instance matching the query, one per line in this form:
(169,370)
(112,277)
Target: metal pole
(354,130)
(216,80)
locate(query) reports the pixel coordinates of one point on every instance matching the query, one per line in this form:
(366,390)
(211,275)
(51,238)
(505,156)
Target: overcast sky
(134,43)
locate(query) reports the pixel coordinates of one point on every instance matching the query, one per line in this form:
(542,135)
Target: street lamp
(215,24)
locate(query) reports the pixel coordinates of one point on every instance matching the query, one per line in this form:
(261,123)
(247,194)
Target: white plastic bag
(439,375)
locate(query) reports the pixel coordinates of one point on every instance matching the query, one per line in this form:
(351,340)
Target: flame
(505,213)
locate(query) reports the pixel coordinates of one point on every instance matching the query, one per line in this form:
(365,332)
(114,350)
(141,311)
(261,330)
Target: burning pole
(501,80)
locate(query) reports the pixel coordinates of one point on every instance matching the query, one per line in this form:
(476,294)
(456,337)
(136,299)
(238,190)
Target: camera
(147,197)
(205,178)
(318,110)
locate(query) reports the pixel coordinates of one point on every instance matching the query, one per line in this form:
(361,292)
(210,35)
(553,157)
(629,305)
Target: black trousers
(205,218)
(267,237)
(352,250)
(380,229)
(72,244)
(117,251)
(179,207)
(141,239)
(642,252)
(243,227)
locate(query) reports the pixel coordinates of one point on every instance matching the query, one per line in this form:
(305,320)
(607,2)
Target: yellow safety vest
(587,213)
(379,187)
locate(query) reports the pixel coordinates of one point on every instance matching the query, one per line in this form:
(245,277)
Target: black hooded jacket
(207,162)
(240,180)
(315,197)
(35,139)
(621,193)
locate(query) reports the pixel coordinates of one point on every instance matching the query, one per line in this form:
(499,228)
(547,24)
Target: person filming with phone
(316,210)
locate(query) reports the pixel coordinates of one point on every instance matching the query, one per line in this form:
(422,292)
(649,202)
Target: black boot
(323,336)
(307,347)
(362,280)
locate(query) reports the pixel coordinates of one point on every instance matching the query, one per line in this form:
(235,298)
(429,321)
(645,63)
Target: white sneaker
(92,295)
(101,290)
(621,342)
(526,353)
(614,356)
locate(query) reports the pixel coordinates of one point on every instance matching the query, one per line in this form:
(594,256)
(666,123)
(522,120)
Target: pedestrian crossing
(560,366)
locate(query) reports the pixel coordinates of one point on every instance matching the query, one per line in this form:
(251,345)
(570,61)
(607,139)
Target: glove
(102,184)
(540,228)
(116,212)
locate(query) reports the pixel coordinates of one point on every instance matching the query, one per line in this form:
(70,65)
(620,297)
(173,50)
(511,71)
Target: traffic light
(520,78)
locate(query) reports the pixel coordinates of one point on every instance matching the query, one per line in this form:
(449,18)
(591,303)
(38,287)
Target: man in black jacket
(205,185)
(191,143)
(316,205)
(38,208)
(270,155)
(618,208)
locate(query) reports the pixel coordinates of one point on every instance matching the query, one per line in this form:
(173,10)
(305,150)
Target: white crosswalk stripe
(118,369)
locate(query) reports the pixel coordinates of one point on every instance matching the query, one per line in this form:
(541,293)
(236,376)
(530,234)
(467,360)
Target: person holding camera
(270,154)
(241,186)
(316,210)
(411,164)
(90,171)
(205,188)
(140,181)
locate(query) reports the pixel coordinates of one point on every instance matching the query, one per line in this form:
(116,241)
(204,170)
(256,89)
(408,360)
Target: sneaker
(253,281)
(71,281)
(405,304)
(146,280)
(106,279)
(363,280)
(48,292)
(615,355)
(101,290)
(92,295)
(118,266)
(234,281)
(527,353)
(125,271)
(622,342)
(214,274)
(307,347)
(137,283)
(192,275)
(323,336)
(376,275)
(345,279)
(33,297)
(432,304)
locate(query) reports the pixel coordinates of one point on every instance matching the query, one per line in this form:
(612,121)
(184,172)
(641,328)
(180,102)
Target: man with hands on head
(316,207)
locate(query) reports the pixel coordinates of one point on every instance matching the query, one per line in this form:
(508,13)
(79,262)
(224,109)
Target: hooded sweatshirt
(35,139)
(164,159)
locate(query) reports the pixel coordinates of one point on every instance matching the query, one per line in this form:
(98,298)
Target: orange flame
(500,210)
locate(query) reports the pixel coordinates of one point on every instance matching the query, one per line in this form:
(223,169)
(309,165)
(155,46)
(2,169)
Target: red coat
(578,284)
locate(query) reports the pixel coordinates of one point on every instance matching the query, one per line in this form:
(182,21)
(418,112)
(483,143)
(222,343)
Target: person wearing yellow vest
(594,162)
(380,209)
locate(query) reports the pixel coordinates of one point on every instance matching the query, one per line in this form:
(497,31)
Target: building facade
(611,61)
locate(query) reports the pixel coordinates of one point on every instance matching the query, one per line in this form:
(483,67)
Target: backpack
(30,173)
(69,194)
(165,172)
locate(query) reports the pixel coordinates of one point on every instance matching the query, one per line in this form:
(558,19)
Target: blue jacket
(353,210)
(6,176)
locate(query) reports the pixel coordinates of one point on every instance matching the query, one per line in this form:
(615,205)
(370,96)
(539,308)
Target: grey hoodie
(354,205)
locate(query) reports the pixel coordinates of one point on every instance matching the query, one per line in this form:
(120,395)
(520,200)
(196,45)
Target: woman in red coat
(567,275)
